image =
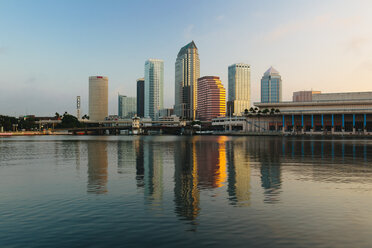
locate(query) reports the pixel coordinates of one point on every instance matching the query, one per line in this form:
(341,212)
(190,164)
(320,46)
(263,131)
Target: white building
(239,94)
(98,98)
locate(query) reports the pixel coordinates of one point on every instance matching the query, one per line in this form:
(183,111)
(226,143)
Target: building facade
(271,86)
(304,96)
(141,97)
(127,106)
(98,98)
(187,72)
(211,98)
(336,113)
(154,87)
(239,95)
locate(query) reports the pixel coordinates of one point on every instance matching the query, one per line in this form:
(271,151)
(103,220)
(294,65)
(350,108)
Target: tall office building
(211,98)
(271,86)
(154,87)
(187,73)
(98,98)
(127,106)
(239,96)
(141,97)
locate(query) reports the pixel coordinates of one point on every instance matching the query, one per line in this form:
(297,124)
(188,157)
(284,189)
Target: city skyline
(47,57)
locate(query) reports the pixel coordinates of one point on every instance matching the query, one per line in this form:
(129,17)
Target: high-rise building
(187,73)
(98,98)
(211,98)
(154,87)
(141,97)
(271,86)
(304,96)
(239,95)
(127,106)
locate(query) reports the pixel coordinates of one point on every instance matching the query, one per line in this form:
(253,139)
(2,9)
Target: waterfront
(168,191)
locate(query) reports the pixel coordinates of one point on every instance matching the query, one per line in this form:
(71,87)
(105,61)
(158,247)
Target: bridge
(136,126)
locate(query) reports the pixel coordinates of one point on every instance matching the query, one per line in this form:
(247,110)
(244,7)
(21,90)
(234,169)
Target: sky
(48,49)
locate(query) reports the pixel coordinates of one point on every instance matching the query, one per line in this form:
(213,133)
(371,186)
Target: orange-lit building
(211,98)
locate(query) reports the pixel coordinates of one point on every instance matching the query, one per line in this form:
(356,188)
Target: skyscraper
(187,73)
(211,98)
(239,97)
(127,106)
(154,87)
(98,98)
(141,97)
(271,86)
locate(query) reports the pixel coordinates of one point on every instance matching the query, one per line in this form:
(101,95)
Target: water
(169,191)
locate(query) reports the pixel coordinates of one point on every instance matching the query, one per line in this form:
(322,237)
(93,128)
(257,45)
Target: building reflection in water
(126,155)
(211,160)
(149,170)
(270,169)
(140,168)
(239,172)
(97,167)
(153,172)
(186,192)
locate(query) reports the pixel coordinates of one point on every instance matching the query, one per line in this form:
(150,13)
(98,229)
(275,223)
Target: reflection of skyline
(211,159)
(97,167)
(207,163)
(239,173)
(267,152)
(140,168)
(186,192)
(126,155)
(149,169)
(153,172)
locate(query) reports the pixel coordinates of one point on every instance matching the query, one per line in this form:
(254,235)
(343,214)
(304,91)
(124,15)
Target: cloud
(220,17)
(357,44)
(321,21)
(187,32)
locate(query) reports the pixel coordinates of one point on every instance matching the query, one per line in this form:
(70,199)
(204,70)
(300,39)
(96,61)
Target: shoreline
(235,134)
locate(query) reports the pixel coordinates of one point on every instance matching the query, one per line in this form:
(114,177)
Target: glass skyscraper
(239,95)
(154,87)
(271,86)
(187,72)
(127,106)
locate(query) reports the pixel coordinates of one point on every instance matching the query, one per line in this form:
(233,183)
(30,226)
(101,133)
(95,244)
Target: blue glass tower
(271,86)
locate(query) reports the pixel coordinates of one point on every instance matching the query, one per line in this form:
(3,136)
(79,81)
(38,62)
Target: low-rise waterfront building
(331,113)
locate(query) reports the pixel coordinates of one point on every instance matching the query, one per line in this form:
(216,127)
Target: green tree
(69,121)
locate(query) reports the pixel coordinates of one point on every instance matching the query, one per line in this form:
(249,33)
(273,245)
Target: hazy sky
(48,49)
